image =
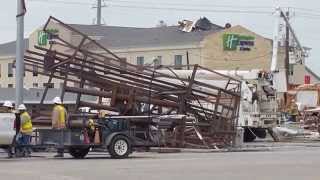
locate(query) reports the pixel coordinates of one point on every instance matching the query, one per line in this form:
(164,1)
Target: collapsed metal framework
(87,68)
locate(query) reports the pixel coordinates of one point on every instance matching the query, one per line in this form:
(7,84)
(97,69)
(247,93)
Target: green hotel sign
(44,37)
(232,42)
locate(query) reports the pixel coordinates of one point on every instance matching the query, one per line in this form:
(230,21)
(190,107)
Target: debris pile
(87,68)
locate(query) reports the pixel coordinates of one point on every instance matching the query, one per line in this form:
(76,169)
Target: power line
(150,5)
(309,17)
(192,9)
(188,4)
(167,7)
(306,9)
(62,2)
(309,14)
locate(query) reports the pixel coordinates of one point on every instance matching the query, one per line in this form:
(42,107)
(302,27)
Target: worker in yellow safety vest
(293,111)
(59,117)
(26,130)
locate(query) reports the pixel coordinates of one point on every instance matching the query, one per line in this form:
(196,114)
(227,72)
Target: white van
(7,130)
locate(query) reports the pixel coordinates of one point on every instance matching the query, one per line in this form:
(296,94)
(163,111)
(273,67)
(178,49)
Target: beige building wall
(167,54)
(214,56)
(299,72)
(33,41)
(5,80)
(209,53)
(29,78)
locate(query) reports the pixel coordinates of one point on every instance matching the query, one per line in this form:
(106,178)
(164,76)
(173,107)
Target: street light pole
(19,52)
(99,6)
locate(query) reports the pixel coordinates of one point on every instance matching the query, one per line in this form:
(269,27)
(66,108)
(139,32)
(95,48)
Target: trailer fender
(109,138)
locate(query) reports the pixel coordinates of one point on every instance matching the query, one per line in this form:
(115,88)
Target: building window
(35,70)
(35,85)
(178,62)
(10,85)
(140,60)
(157,61)
(10,70)
(0,70)
(50,85)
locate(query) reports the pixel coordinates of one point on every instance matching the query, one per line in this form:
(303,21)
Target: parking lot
(281,161)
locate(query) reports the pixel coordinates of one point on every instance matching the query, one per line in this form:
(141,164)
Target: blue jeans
(25,141)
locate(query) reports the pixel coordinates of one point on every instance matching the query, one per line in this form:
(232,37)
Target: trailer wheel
(248,136)
(120,147)
(78,153)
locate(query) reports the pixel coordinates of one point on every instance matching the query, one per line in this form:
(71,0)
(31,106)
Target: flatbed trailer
(118,135)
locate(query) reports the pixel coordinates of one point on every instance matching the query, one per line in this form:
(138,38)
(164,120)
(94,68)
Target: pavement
(280,161)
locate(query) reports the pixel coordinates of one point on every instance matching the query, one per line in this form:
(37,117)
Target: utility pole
(19,52)
(287,47)
(99,7)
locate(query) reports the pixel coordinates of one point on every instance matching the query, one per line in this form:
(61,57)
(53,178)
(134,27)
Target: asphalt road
(288,163)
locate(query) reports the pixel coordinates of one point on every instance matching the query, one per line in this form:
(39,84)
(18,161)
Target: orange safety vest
(26,126)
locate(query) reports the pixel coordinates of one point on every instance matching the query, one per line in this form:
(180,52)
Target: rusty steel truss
(87,68)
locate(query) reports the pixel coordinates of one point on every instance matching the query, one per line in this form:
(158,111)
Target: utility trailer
(119,135)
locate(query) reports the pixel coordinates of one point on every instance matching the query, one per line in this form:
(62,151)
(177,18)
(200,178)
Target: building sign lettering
(45,37)
(233,42)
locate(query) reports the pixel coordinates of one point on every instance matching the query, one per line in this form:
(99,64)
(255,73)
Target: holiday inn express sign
(233,42)
(44,37)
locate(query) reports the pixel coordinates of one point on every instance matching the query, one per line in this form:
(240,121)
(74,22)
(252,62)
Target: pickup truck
(7,131)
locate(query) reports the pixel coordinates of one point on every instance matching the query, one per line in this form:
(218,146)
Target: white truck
(7,130)
(258,106)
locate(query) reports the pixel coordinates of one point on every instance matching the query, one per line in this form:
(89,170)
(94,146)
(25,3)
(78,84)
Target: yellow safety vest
(26,126)
(62,115)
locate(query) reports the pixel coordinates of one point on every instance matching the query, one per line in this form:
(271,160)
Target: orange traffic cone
(97,137)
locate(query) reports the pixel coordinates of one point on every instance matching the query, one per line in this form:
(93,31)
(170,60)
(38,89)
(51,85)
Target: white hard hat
(57,100)
(22,107)
(8,104)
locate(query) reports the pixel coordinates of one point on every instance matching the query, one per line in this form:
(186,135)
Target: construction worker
(9,106)
(293,111)
(91,130)
(26,130)
(59,116)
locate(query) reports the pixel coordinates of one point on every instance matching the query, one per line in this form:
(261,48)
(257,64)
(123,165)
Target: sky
(255,15)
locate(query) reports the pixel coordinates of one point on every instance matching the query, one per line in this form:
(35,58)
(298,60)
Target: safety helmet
(8,104)
(57,100)
(22,107)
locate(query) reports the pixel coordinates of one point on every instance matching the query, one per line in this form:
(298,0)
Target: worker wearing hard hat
(59,116)
(9,106)
(26,129)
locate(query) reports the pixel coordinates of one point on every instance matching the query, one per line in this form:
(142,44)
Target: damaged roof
(113,37)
